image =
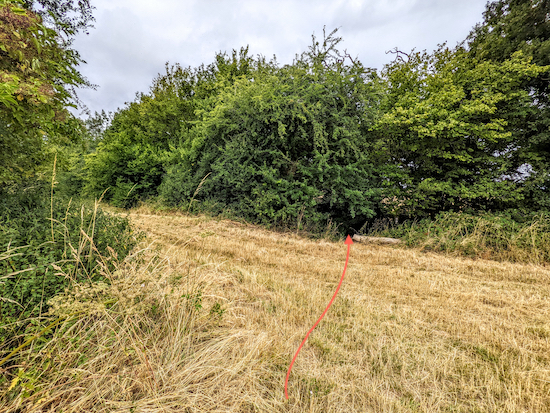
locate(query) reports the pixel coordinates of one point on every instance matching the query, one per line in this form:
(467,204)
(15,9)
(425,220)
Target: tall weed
(138,326)
(506,236)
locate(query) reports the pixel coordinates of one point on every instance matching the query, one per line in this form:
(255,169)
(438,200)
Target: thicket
(285,145)
(141,142)
(47,245)
(325,140)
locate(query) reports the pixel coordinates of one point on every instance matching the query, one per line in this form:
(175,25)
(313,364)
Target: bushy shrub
(41,237)
(286,147)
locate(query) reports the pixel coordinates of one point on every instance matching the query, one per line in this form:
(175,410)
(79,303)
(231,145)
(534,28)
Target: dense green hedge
(281,147)
(327,140)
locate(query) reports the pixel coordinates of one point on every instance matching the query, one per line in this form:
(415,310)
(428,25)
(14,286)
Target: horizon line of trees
(324,139)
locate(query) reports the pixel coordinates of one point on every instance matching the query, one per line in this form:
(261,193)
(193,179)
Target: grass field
(213,323)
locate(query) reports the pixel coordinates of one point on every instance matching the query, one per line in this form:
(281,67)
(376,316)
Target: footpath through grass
(212,325)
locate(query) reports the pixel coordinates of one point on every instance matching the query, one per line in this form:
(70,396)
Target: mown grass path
(408,332)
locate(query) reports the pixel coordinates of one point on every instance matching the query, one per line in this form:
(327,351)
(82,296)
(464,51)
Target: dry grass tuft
(213,325)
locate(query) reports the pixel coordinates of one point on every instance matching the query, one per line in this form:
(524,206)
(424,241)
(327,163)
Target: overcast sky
(133,39)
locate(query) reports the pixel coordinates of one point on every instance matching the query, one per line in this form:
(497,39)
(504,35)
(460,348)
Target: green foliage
(511,235)
(35,249)
(217,310)
(510,26)
(70,157)
(66,16)
(194,301)
(286,143)
(446,127)
(327,140)
(37,74)
(126,166)
(132,156)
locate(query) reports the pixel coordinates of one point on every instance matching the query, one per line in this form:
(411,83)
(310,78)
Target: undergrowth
(46,245)
(504,237)
(138,327)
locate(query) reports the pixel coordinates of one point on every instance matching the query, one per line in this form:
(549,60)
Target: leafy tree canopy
(67,17)
(37,74)
(446,126)
(510,26)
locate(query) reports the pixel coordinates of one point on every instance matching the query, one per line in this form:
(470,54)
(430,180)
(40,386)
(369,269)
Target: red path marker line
(348,243)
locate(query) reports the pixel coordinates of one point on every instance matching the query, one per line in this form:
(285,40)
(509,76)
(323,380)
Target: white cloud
(134,38)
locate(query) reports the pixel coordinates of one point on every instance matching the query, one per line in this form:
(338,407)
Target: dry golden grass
(408,332)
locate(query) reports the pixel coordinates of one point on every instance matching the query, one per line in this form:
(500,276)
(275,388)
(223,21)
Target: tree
(447,128)
(37,72)
(136,149)
(65,16)
(287,145)
(510,26)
